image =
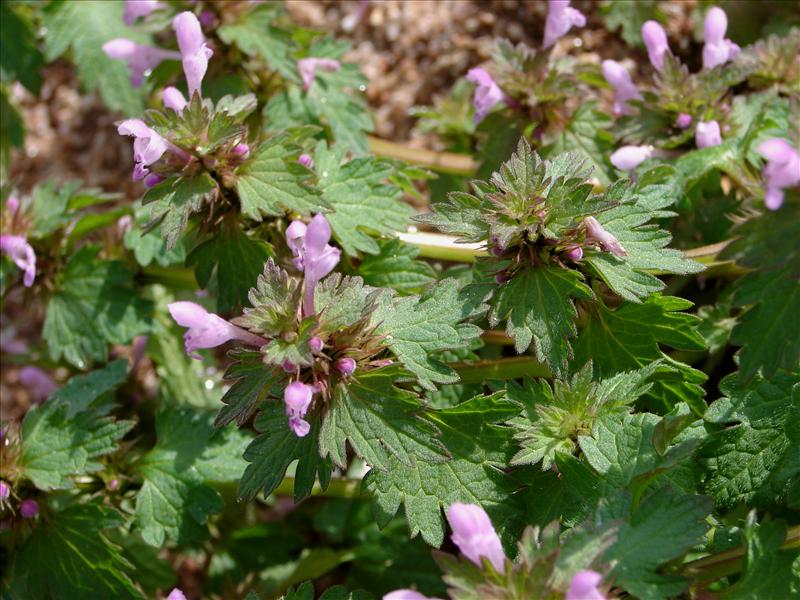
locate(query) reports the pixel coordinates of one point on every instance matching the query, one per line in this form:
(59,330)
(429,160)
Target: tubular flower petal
(575,254)
(655,38)
(707,134)
(312,254)
(406,595)
(207,330)
(561,17)
(607,242)
(194,50)
(624,89)
(173,98)
(487,93)
(141,59)
(475,536)
(138,8)
(21,252)
(345,366)
(717,50)
(584,586)
(148,146)
(782,170)
(5,491)
(308,68)
(628,158)
(38,382)
(297,398)
(176,594)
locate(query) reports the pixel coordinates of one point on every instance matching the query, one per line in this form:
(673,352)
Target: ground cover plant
(558,357)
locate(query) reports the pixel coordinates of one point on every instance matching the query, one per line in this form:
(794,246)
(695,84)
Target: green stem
(443,247)
(443,162)
(480,371)
(172,277)
(337,488)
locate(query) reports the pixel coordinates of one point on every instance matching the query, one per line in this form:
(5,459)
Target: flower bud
(584,586)
(628,158)
(288,366)
(501,278)
(306,161)
(707,134)
(487,93)
(475,536)
(152,179)
(346,366)
(574,254)
(315,344)
(655,38)
(173,99)
(683,120)
(242,150)
(28,509)
(5,491)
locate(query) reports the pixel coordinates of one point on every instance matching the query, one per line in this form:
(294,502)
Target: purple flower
(346,366)
(627,158)
(141,59)
(584,586)
(138,8)
(38,382)
(315,344)
(242,150)
(12,205)
(707,134)
(297,398)
(176,594)
(308,68)
(474,535)
(173,98)
(207,330)
(717,50)
(574,254)
(655,38)
(152,179)
(306,161)
(28,509)
(194,50)
(148,146)
(561,17)
(312,254)
(683,121)
(5,491)
(782,170)
(21,252)
(406,595)
(624,89)
(607,242)
(487,93)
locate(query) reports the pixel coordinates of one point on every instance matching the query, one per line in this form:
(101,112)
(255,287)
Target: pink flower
(194,50)
(584,586)
(655,38)
(406,595)
(38,382)
(297,398)
(21,252)
(707,134)
(207,330)
(138,8)
(152,179)
(315,344)
(12,205)
(627,158)
(148,146)
(474,535)
(141,59)
(782,170)
(313,255)
(306,161)
(683,121)
(606,241)
(560,19)
(5,491)
(717,50)
(346,366)
(575,254)
(28,509)
(176,594)
(308,68)
(242,150)
(174,99)
(487,93)
(624,89)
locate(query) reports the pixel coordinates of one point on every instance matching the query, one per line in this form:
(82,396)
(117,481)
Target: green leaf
(20,58)
(68,556)
(664,526)
(173,201)
(148,247)
(174,502)
(537,304)
(277,446)
(80,392)
(362,200)
(394,267)
(84,27)
(587,135)
(49,207)
(274,298)
(272,182)
(629,17)
(474,474)
(756,458)
(379,420)
(630,336)
(417,327)
(63,438)
(94,304)
(253,383)
(235,260)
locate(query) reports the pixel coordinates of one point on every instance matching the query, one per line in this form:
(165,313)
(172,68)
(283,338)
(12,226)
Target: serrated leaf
(253,383)
(276,447)
(474,474)
(94,304)
(20,58)
(84,27)
(394,267)
(173,201)
(538,306)
(274,298)
(235,260)
(417,327)
(587,135)
(81,391)
(361,198)
(379,420)
(68,556)
(756,458)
